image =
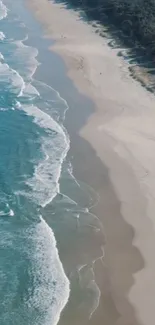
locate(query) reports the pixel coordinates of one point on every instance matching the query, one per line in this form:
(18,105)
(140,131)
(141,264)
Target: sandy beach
(121,132)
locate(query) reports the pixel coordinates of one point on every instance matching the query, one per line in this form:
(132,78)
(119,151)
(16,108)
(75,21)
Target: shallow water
(33,146)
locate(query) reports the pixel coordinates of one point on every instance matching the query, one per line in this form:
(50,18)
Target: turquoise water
(34,287)
(33,149)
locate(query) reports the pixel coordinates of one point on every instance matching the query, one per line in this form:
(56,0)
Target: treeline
(135,18)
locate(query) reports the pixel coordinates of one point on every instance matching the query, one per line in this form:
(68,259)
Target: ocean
(37,214)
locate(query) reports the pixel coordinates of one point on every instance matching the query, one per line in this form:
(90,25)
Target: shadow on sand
(141,63)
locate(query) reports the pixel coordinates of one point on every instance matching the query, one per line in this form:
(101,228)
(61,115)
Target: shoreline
(115,132)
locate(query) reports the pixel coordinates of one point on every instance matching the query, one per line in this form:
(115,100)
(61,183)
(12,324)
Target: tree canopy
(135,18)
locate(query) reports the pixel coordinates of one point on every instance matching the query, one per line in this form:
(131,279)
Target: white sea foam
(26,62)
(56,98)
(11,76)
(70,171)
(27,54)
(7,211)
(93,285)
(30,91)
(2,36)
(51,286)
(45,181)
(3,213)
(57,94)
(11,213)
(18,105)
(97,294)
(3,10)
(3,109)
(1,56)
(87,280)
(17,78)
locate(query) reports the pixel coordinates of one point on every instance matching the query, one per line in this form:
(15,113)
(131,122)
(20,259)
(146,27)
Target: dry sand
(122,132)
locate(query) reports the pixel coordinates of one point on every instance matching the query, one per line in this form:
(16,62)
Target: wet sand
(118,164)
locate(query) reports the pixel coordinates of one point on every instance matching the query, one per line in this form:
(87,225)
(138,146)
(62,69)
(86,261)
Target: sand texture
(122,132)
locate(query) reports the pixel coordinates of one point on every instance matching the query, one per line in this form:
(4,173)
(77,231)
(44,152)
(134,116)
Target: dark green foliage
(135,18)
